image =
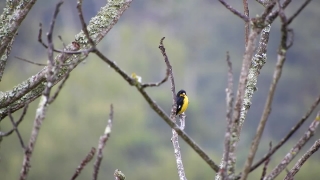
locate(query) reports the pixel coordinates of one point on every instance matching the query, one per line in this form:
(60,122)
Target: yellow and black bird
(182,102)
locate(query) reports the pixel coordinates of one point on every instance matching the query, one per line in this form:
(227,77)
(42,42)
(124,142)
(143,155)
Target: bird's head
(181,93)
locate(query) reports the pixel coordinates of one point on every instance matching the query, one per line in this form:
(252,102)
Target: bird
(182,102)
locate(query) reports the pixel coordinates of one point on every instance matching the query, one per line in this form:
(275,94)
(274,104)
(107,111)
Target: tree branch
(83,163)
(11,18)
(223,172)
(295,150)
(247,24)
(102,143)
(292,131)
(42,107)
(234,11)
(174,139)
(31,89)
(302,160)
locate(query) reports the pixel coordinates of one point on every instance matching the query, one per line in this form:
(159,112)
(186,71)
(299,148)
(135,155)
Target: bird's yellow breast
(185,104)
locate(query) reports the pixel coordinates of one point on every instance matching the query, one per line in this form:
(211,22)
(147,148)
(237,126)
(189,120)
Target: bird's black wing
(179,104)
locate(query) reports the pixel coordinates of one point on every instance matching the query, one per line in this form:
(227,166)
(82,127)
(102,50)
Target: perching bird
(182,102)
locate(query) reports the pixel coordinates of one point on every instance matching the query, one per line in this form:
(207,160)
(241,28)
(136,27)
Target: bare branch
(180,132)
(174,139)
(157,83)
(289,21)
(234,11)
(223,172)
(32,88)
(42,107)
(240,95)
(264,170)
(40,37)
(267,108)
(254,72)
(31,62)
(12,17)
(55,95)
(295,149)
(16,123)
(303,159)
(15,127)
(84,162)
(160,111)
(247,24)
(292,131)
(102,143)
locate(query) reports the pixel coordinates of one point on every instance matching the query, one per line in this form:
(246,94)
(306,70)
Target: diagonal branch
(102,143)
(295,149)
(292,131)
(298,11)
(11,18)
(302,160)
(160,112)
(234,11)
(32,88)
(83,163)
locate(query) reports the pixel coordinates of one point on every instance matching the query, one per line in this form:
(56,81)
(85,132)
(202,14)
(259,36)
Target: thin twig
(302,160)
(234,11)
(40,37)
(21,94)
(55,95)
(16,123)
(223,172)
(174,139)
(102,143)
(289,21)
(247,24)
(84,162)
(83,23)
(295,149)
(291,132)
(31,62)
(64,44)
(265,167)
(42,107)
(157,83)
(15,127)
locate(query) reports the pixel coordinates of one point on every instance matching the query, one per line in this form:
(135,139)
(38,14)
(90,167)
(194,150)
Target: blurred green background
(198,34)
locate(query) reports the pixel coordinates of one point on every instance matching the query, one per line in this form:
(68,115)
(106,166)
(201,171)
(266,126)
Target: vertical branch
(240,96)
(257,63)
(264,170)
(223,172)
(295,149)
(246,26)
(174,139)
(102,143)
(43,104)
(302,160)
